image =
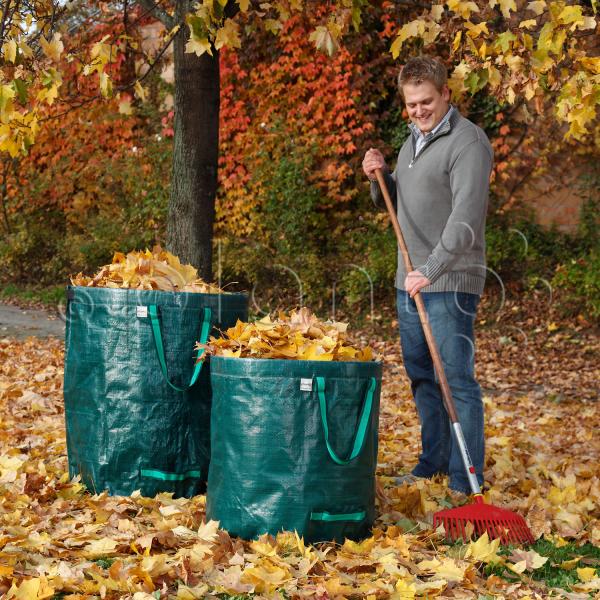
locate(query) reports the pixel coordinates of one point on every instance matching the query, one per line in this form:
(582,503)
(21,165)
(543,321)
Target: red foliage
(291,94)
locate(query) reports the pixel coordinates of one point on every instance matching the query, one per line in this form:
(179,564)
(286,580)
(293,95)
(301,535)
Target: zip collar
(444,129)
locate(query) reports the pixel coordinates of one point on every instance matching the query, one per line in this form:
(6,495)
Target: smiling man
(440,185)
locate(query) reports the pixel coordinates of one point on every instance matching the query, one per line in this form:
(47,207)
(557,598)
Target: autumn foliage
(294,125)
(286,99)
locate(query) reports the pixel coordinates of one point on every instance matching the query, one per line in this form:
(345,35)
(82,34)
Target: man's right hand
(373,160)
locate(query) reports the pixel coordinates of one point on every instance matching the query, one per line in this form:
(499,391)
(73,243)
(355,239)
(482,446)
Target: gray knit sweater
(441,199)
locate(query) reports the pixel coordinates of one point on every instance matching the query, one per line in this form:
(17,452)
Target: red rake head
(498,522)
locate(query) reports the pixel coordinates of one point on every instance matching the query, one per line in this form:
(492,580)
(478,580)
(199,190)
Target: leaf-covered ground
(543,457)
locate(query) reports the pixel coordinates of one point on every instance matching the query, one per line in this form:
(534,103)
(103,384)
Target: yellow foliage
(53,48)
(148,270)
(299,335)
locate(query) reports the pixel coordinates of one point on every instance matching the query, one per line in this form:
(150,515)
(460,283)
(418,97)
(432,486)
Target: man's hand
(373,160)
(414,282)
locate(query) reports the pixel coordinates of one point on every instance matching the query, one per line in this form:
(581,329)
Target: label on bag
(306,385)
(141,311)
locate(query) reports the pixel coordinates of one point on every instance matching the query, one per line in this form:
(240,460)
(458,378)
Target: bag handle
(160,349)
(334,517)
(365,416)
(167,476)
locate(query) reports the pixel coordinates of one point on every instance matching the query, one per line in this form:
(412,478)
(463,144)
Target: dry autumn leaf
(526,560)
(148,270)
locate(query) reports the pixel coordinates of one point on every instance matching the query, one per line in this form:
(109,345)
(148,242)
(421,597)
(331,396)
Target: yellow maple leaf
(437,10)
(475,31)
(505,6)
(198,46)
(155,565)
(483,550)
(568,522)
(336,589)
(569,565)
(208,532)
(140,91)
(526,560)
(100,547)
(6,570)
(457,80)
(31,589)
(586,574)
(48,94)
(125,107)
(263,547)
(9,49)
(105,84)
(408,30)
(361,548)
(266,577)
(405,589)
(314,352)
(228,35)
(7,93)
(444,568)
(324,40)
(528,24)
(462,7)
(571,15)
(537,6)
(53,48)
(456,41)
(431,588)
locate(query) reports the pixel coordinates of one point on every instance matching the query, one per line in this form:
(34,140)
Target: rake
(497,522)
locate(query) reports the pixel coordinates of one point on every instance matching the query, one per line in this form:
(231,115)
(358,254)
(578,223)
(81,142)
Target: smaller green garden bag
(294,447)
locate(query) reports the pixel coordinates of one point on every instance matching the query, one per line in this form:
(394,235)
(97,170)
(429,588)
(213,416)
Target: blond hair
(420,69)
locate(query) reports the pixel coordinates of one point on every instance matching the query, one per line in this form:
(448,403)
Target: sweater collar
(443,125)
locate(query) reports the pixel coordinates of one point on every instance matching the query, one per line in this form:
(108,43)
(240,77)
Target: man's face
(426,107)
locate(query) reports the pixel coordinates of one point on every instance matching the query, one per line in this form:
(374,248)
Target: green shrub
(46,243)
(578,278)
(286,256)
(519,249)
(578,282)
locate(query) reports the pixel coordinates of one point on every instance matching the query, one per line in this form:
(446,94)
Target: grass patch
(551,573)
(105,562)
(49,296)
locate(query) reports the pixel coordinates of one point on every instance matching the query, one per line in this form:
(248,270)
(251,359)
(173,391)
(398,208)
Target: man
(440,186)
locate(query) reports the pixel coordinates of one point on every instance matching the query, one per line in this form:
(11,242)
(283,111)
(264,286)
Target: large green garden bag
(137,404)
(294,447)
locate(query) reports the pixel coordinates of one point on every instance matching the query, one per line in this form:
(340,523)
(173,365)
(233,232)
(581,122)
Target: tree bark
(195,153)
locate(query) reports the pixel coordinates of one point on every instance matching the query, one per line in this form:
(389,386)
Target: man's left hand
(414,282)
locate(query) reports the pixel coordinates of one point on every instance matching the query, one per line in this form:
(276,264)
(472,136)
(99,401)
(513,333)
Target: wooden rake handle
(433,349)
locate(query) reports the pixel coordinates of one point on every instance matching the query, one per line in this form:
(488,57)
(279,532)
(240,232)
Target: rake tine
(463,533)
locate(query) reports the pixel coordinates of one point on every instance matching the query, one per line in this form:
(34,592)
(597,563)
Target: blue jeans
(451,315)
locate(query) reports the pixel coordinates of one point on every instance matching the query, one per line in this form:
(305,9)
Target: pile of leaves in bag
(299,335)
(148,270)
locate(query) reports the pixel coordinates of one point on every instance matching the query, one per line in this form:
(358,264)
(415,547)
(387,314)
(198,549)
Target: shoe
(457,498)
(407,479)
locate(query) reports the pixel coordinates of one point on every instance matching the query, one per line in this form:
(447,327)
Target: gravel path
(21,323)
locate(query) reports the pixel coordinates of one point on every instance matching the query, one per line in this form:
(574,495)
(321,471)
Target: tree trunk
(195,153)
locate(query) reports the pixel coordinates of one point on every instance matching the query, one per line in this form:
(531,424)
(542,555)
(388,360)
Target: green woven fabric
(271,468)
(127,427)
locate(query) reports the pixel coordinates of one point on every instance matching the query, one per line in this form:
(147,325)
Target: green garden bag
(294,447)
(137,404)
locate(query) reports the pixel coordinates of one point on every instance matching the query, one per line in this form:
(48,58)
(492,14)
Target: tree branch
(162,15)
(121,88)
